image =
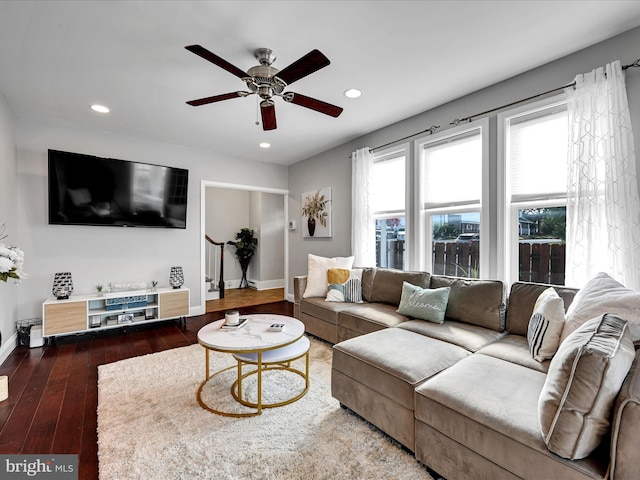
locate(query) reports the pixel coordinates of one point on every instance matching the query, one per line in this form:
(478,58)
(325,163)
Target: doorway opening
(225,209)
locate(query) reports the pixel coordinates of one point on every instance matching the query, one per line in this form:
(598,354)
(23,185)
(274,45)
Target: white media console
(84,313)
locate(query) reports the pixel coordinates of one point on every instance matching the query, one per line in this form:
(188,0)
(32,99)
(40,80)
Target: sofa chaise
(467,396)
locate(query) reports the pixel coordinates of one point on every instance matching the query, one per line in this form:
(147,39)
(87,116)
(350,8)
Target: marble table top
(252,337)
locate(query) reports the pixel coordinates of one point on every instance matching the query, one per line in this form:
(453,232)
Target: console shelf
(83,313)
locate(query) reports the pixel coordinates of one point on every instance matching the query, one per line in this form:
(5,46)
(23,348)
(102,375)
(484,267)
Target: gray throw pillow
(584,378)
(424,303)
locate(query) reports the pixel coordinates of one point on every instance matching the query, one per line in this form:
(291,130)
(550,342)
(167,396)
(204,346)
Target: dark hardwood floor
(53,390)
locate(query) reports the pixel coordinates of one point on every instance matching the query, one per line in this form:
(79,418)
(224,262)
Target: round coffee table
(254,344)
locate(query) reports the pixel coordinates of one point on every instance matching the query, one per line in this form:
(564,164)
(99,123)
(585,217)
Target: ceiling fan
(269,82)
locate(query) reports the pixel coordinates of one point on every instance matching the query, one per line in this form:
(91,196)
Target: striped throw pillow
(344,285)
(545,325)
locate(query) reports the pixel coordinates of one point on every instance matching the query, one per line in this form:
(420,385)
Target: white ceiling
(59,57)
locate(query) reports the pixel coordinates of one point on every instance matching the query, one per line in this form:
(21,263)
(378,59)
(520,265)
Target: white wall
(271,241)
(105,254)
(333,167)
(8,207)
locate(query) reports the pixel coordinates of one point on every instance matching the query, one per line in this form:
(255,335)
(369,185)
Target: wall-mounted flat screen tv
(88,190)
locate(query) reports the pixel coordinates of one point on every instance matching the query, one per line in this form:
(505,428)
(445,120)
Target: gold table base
(236,387)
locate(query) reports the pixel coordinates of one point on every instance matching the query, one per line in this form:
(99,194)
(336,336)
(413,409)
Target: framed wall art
(316,213)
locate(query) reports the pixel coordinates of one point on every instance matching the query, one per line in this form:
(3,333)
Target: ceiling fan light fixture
(352,93)
(269,82)
(100,108)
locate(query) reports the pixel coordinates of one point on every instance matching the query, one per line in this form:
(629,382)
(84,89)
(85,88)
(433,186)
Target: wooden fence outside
(538,262)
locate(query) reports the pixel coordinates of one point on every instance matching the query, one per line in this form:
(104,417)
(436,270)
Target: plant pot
(244,265)
(311,226)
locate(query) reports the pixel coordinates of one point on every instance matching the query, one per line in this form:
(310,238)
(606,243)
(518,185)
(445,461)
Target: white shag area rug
(150,425)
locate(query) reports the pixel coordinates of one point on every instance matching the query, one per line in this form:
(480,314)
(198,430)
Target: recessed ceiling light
(265,145)
(352,93)
(100,108)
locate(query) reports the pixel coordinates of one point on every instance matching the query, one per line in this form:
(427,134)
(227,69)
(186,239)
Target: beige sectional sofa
(462,395)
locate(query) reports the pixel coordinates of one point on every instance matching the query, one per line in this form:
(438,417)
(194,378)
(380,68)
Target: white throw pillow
(545,325)
(602,294)
(317,268)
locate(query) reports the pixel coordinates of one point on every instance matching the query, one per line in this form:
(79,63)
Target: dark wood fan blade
(217,98)
(313,104)
(268,111)
(311,62)
(216,60)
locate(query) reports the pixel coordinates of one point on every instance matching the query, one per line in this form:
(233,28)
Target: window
(453,175)
(535,189)
(389,197)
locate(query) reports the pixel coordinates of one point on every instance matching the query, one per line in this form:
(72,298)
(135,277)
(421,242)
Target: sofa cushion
(625,462)
(522,298)
(317,273)
(465,335)
(490,407)
(479,302)
(344,285)
(424,303)
(514,349)
(368,275)
(545,326)
(319,308)
(387,284)
(602,294)
(370,317)
(583,381)
(394,361)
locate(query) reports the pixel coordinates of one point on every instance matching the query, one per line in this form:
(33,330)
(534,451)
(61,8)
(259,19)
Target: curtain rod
(458,121)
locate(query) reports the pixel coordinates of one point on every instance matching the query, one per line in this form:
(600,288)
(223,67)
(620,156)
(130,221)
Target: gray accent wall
(333,167)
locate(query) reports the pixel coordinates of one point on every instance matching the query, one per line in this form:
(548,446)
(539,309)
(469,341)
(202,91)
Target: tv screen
(88,190)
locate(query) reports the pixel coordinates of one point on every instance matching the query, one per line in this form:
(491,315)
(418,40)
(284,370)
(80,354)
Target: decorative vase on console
(176,277)
(62,285)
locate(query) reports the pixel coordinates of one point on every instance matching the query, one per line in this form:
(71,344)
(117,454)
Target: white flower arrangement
(11,261)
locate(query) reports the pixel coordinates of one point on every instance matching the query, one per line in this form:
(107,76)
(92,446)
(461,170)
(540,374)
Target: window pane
(390,242)
(538,157)
(456,244)
(541,245)
(389,185)
(453,172)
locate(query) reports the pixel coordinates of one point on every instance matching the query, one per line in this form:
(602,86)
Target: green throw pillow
(424,303)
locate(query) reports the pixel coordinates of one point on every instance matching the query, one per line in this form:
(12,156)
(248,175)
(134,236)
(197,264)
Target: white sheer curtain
(603,209)
(363,230)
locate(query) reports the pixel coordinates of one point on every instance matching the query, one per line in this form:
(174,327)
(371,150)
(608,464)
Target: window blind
(537,155)
(452,172)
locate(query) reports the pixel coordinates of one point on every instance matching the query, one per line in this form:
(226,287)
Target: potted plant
(246,246)
(154,285)
(315,208)
(99,288)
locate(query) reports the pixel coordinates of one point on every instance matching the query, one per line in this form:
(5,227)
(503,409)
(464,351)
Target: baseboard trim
(8,347)
(266,284)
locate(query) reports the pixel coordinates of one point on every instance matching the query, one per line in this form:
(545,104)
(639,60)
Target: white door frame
(249,188)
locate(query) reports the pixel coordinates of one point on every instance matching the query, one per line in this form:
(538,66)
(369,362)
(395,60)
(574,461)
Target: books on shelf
(240,324)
